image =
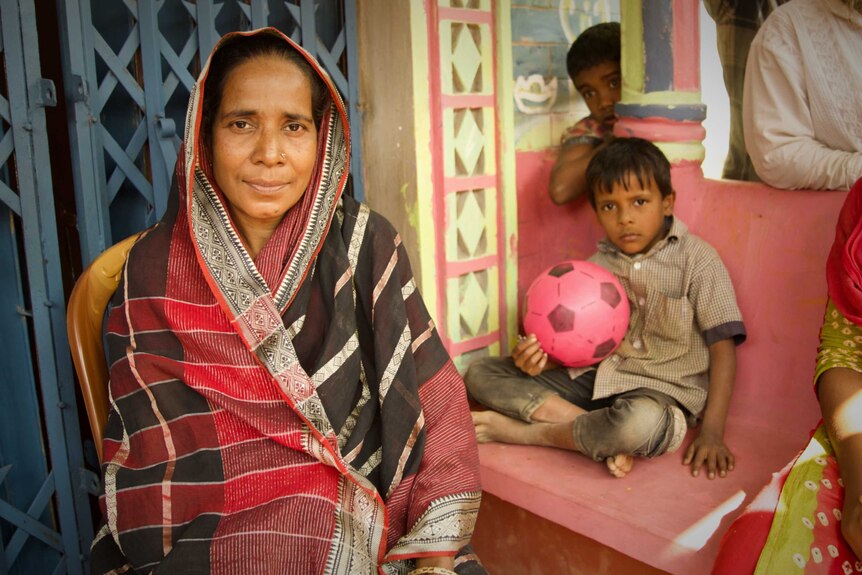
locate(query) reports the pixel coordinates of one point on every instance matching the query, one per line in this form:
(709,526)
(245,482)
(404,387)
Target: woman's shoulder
(151,243)
(148,257)
(375,222)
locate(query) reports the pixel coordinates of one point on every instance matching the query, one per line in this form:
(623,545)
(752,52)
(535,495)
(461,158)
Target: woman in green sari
(809,519)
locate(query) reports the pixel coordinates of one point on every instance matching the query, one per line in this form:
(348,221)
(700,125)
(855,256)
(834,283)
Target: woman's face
(264,143)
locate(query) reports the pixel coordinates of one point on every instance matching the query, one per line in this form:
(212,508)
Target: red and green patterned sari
(794,524)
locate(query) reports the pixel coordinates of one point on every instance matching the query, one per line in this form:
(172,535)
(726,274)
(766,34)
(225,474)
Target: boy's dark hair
(595,45)
(622,158)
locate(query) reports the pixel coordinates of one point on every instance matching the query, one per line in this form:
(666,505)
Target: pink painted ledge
(658,514)
(774,243)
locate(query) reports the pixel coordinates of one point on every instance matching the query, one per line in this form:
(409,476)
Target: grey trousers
(641,422)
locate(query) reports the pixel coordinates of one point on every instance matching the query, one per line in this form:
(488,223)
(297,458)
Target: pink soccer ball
(579,312)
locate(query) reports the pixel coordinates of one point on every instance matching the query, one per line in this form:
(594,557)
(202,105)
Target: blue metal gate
(127,67)
(44,513)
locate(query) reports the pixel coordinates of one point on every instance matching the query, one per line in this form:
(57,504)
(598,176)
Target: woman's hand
(529,356)
(709,450)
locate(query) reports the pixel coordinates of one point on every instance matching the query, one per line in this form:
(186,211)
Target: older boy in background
(677,362)
(593,63)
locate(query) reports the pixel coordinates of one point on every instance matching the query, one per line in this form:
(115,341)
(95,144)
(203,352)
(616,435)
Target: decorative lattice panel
(484,5)
(474,263)
(475,228)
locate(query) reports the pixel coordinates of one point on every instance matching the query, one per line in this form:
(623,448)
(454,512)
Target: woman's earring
(283,155)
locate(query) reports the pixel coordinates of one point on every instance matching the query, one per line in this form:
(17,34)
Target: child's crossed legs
(554,410)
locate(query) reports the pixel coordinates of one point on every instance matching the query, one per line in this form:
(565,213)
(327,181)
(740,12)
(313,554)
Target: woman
(809,519)
(280,399)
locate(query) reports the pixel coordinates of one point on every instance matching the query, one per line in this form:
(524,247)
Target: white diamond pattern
(469,141)
(466,57)
(473,306)
(471,221)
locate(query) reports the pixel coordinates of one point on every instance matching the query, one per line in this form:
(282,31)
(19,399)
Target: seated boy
(593,63)
(676,362)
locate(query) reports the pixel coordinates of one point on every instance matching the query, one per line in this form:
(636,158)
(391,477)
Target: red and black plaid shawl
(293,414)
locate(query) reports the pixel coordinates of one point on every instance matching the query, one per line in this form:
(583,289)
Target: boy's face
(600,86)
(633,218)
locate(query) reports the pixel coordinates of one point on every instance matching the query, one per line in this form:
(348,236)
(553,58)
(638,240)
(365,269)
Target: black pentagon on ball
(561,269)
(610,294)
(604,348)
(562,319)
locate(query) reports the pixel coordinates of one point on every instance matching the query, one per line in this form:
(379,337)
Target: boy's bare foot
(619,465)
(493,426)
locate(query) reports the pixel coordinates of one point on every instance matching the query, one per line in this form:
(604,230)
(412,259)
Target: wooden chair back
(84,316)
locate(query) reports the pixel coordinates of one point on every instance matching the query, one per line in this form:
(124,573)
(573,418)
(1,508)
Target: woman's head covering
(844,266)
(285,261)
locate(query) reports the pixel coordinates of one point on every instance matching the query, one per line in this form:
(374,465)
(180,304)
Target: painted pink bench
(774,243)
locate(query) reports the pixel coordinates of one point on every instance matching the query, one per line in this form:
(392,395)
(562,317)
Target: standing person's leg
(736,24)
(640,422)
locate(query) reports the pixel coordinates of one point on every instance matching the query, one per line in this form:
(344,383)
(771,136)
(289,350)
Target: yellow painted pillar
(661,98)
(467,203)
(438,143)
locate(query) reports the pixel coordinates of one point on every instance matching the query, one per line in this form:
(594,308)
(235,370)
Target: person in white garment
(802,110)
